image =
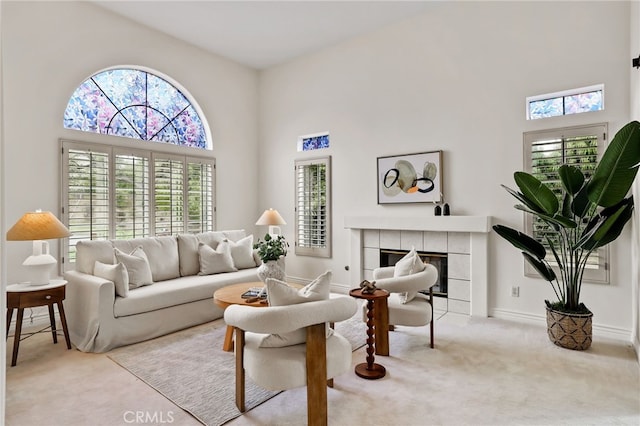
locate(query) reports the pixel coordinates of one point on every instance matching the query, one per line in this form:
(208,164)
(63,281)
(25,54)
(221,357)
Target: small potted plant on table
(272,252)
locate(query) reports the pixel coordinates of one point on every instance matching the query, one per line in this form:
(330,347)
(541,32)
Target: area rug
(190,369)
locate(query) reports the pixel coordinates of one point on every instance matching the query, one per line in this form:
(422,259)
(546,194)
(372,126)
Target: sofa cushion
(214,261)
(88,252)
(281,294)
(188,247)
(162,253)
(116,273)
(178,291)
(242,252)
(137,265)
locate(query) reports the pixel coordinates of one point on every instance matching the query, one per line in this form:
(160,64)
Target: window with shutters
(545,151)
(111,192)
(313,207)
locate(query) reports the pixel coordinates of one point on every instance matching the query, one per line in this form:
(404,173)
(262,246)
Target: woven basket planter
(571,331)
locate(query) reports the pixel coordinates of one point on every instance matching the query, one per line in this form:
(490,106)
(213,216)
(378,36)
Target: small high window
(313,142)
(573,101)
(135,104)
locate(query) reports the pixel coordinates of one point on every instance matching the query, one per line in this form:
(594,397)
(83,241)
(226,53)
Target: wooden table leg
(63,320)
(52,320)
(227,346)
(16,337)
(9,316)
(381,326)
(370,370)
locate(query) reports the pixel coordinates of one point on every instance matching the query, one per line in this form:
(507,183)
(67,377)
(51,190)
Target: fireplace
(389,257)
(465,239)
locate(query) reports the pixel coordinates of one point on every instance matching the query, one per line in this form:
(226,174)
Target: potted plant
(588,214)
(272,252)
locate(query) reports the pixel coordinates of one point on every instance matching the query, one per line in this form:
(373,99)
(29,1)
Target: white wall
(3,275)
(453,79)
(635,115)
(50,48)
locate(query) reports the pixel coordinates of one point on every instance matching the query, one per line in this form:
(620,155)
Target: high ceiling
(264,33)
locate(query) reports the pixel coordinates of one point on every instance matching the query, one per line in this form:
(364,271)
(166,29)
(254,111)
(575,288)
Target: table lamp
(272,218)
(38,226)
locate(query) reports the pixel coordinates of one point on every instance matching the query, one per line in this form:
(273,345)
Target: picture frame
(410,178)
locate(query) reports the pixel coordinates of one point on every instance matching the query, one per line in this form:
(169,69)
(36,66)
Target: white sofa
(99,319)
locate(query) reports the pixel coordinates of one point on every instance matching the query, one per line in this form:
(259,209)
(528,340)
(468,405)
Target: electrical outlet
(515,291)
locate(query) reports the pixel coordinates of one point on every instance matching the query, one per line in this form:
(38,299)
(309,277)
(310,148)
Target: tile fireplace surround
(463,238)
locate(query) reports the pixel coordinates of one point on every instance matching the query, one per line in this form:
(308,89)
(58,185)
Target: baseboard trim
(615,333)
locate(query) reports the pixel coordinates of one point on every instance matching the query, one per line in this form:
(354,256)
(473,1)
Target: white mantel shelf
(480,224)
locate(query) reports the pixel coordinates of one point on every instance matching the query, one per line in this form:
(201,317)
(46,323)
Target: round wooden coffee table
(232,295)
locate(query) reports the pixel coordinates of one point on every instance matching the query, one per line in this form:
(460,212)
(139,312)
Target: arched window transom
(135,104)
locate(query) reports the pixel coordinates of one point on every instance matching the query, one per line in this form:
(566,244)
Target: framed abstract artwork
(410,178)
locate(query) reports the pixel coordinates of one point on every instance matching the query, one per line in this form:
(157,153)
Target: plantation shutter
(132,196)
(121,193)
(200,195)
(545,152)
(86,206)
(169,183)
(313,212)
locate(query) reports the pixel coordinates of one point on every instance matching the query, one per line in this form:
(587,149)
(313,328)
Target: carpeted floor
(190,369)
(483,371)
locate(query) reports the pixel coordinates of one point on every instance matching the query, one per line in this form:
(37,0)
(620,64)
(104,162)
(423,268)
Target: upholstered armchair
(322,354)
(406,304)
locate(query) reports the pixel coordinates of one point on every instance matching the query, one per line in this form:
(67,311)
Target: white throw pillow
(408,265)
(281,294)
(215,261)
(137,265)
(116,273)
(242,252)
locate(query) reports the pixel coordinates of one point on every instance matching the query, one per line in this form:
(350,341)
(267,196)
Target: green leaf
(617,169)
(581,204)
(556,219)
(542,268)
(521,241)
(537,192)
(523,199)
(571,178)
(610,224)
(567,200)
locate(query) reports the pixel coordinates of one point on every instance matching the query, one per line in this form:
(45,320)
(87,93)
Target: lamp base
(39,269)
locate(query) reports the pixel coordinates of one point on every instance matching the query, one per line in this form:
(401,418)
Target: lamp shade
(37,225)
(271,217)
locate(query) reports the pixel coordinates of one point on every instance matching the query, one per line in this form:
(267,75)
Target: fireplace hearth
(389,257)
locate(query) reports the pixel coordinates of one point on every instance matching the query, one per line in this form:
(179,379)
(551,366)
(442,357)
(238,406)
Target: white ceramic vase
(270,269)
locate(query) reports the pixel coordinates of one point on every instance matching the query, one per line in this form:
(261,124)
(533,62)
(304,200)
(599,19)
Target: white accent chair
(313,363)
(416,312)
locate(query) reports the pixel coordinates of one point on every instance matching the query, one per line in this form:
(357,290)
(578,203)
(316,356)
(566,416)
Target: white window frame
(303,219)
(186,155)
(599,130)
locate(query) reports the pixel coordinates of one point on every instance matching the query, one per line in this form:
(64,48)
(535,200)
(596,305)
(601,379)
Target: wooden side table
(20,296)
(377,327)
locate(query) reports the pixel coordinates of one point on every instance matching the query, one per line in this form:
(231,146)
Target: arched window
(123,190)
(135,104)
